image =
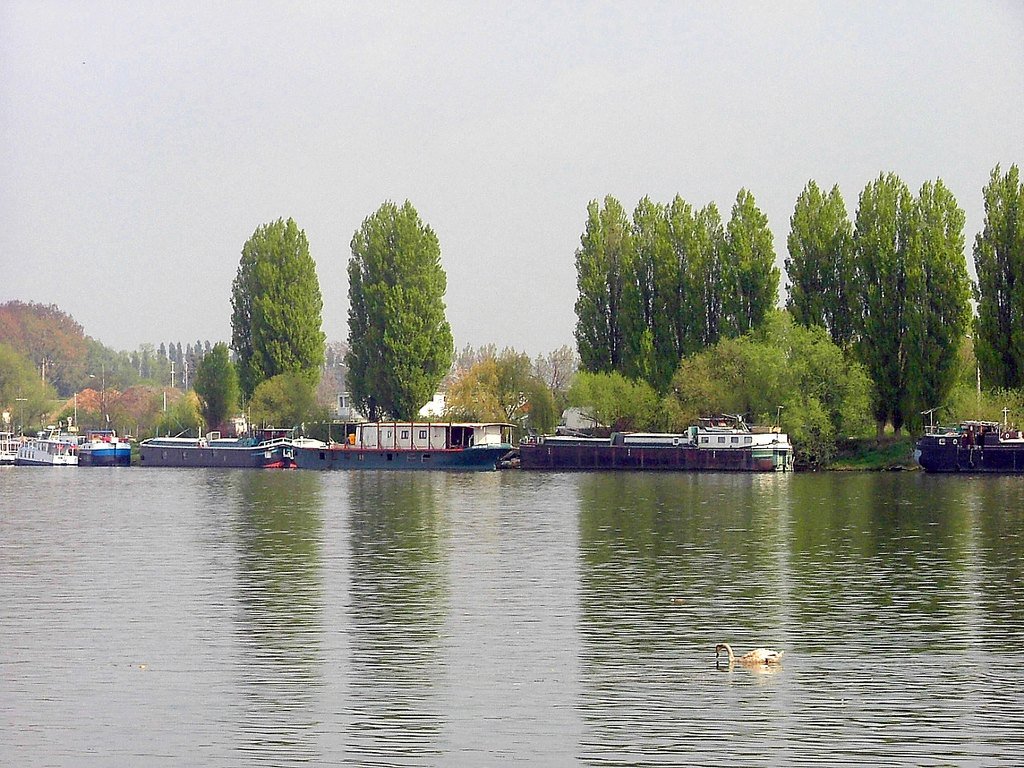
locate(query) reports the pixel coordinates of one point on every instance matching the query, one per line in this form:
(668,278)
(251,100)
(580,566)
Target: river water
(153,617)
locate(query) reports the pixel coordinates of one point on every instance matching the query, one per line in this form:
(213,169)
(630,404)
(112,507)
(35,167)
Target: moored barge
(725,444)
(267,449)
(972,446)
(412,445)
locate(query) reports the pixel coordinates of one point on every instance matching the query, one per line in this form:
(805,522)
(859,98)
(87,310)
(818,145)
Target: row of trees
(891,287)
(662,296)
(999,264)
(668,283)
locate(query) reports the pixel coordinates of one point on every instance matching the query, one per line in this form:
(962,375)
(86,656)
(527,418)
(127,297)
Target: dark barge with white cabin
(266,449)
(972,447)
(719,444)
(412,446)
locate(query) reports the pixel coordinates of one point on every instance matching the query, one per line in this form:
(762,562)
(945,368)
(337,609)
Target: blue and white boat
(103,448)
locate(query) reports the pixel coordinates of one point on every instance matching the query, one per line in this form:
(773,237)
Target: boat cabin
(419,436)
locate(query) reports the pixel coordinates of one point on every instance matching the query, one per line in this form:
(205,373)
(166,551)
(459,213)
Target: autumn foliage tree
(502,387)
(50,338)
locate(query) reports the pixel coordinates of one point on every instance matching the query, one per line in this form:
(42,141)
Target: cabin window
(391,457)
(942,441)
(747,439)
(426,456)
(405,434)
(322,455)
(704,440)
(423,434)
(721,440)
(735,439)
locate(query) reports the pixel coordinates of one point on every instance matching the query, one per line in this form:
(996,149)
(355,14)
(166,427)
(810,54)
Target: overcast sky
(142,143)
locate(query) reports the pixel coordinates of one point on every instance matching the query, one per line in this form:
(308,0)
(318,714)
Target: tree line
(890,287)
(677,303)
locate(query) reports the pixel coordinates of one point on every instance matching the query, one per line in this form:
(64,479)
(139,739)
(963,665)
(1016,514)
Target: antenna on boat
(930,413)
(1006,411)
(778,419)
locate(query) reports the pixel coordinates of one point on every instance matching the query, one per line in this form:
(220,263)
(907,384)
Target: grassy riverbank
(890,453)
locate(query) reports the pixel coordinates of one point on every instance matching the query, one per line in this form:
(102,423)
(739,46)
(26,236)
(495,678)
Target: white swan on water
(755,658)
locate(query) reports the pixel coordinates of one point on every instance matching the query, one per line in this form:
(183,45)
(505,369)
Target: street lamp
(103,394)
(22,425)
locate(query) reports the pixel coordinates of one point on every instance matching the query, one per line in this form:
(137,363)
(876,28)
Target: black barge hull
(541,456)
(996,459)
(277,457)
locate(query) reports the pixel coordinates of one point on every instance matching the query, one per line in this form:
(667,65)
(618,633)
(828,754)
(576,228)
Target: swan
(754,658)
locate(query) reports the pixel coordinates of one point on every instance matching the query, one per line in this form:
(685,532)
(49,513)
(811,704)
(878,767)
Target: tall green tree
(603,263)
(939,292)
(999,263)
(400,344)
(707,275)
(820,263)
(884,248)
(749,272)
(276,306)
(685,309)
(649,299)
(216,383)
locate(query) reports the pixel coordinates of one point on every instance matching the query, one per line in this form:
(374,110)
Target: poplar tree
(400,344)
(276,306)
(603,263)
(749,272)
(706,273)
(685,309)
(820,263)
(999,263)
(883,247)
(648,299)
(939,292)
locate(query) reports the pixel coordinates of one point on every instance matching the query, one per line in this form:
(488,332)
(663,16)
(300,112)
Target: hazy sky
(142,143)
